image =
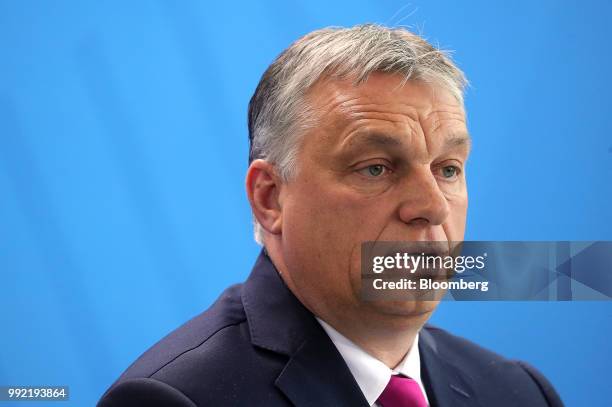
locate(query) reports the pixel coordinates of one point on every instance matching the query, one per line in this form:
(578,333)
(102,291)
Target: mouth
(412,248)
(411,259)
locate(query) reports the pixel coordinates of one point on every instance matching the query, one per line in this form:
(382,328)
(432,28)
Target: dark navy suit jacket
(259,346)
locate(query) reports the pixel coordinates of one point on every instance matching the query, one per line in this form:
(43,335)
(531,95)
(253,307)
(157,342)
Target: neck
(385,334)
(387,338)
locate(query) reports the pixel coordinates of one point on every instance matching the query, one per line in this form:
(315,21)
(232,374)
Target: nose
(423,203)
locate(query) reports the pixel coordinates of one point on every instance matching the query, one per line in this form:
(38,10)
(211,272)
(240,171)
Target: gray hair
(278,114)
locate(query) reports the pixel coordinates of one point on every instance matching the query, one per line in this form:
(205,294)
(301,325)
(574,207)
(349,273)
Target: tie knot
(402,391)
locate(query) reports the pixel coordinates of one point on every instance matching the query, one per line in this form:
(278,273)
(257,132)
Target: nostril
(419,222)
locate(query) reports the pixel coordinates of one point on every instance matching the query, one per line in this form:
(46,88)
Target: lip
(411,248)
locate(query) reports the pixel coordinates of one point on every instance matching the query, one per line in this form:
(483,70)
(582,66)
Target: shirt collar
(371,374)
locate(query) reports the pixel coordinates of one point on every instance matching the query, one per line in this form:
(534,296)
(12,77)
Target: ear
(263,187)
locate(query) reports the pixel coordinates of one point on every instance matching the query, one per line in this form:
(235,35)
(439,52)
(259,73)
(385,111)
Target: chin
(413,309)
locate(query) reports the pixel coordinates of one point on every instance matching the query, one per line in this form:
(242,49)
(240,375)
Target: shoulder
(211,349)
(226,313)
(491,373)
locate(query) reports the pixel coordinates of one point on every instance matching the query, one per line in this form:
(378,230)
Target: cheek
(320,232)
(455,225)
(328,211)
(314,225)
(329,222)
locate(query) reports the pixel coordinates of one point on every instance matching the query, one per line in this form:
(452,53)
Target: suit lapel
(446,385)
(315,374)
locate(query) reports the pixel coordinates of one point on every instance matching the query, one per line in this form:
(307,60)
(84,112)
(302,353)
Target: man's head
(356,135)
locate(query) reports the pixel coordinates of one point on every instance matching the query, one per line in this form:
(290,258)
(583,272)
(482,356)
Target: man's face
(385,162)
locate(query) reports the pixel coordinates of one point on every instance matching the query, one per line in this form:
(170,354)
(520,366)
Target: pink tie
(402,391)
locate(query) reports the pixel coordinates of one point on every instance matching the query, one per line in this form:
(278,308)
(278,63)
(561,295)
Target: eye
(450,171)
(374,171)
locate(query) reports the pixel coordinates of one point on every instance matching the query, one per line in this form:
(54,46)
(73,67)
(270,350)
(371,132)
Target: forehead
(385,101)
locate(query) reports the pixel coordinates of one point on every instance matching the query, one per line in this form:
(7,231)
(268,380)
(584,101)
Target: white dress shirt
(371,374)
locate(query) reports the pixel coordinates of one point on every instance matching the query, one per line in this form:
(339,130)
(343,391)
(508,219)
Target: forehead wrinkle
(345,116)
(345,111)
(439,122)
(400,109)
(343,105)
(403,114)
(437,116)
(361,126)
(334,106)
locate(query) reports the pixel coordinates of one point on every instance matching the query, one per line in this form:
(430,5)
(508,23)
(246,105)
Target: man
(357,135)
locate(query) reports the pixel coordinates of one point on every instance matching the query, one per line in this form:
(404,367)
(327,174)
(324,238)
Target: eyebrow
(374,139)
(460,139)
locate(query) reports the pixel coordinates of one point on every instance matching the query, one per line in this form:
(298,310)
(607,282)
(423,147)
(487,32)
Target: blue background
(123,149)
